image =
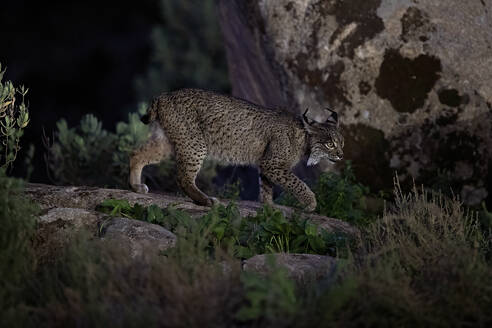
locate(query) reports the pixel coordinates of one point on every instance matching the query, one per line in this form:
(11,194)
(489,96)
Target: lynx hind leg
(154,150)
(287,180)
(189,160)
(266,190)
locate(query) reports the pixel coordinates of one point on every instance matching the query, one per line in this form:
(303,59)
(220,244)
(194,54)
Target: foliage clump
(14,118)
(91,155)
(267,232)
(338,196)
(341,196)
(425,264)
(17,217)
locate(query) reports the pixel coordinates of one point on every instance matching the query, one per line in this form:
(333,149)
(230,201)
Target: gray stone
(48,197)
(137,237)
(412,80)
(77,218)
(303,268)
(57,226)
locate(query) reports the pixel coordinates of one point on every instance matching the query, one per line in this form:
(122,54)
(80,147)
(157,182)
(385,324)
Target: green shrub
(341,196)
(94,283)
(17,219)
(90,155)
(338,196)
(14,118)
(267,232)
(425,265)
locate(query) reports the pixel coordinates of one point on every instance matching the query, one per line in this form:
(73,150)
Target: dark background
(102,57)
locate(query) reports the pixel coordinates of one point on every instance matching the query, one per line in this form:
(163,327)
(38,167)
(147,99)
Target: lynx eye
(329,144)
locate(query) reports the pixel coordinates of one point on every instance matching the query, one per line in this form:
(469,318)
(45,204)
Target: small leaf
(155,214)
(311,229)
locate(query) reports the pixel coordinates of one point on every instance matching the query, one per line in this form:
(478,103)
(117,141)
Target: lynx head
(326,140)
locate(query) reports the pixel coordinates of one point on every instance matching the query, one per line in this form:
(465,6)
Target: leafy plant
(80,155)
(425,266)
(230,191)
(17,217)
(267,232)
(342,197)
(14,118)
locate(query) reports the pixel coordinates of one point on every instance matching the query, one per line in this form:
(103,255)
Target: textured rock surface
(56,227)
(411,79)
(303,268)
(138,238)
(73,217)
(88,198)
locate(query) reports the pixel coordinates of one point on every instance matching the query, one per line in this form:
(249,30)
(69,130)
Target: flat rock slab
(303,268)
(49,196)
(137,237)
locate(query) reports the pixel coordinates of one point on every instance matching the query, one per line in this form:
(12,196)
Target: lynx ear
(306,120)
(333,118)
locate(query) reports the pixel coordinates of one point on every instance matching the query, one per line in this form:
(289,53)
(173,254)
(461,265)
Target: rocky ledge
(68,209)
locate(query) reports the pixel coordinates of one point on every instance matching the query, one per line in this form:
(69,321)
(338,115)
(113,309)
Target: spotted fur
(194,124)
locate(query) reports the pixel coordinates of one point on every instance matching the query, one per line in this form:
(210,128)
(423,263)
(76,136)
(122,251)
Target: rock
(76,218)
(137,237)
(72,209)
(56,228)
(411,80)
(48,197)
(303,268)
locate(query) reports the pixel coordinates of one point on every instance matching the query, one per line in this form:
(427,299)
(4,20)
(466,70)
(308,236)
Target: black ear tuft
(145,119)
(334,116)
(305,118)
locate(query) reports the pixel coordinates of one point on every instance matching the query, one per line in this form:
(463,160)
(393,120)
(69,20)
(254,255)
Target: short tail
(151,112)
(145,119)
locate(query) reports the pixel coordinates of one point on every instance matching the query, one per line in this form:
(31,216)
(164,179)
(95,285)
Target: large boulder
(412,80)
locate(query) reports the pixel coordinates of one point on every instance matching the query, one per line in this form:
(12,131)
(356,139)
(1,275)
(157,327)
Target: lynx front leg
(287,180)
(153,151)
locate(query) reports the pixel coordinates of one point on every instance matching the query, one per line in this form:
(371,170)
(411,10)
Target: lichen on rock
(391,65)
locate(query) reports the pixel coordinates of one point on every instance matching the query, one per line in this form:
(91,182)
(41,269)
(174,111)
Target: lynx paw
(310,208)
(212,201)
(140,188)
